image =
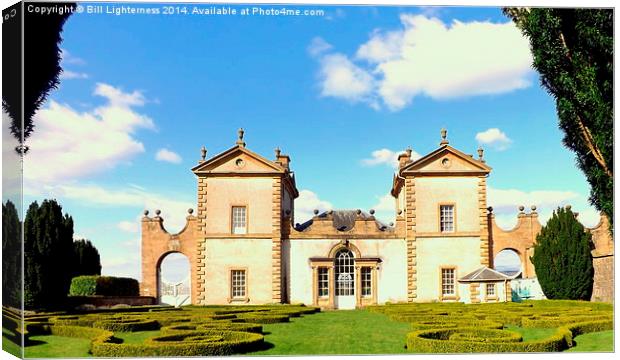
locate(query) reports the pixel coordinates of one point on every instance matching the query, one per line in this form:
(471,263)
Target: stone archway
(509,261)
(157,243)
(174,279)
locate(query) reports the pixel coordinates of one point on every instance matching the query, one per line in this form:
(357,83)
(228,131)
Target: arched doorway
(173,279)
(344,264)
(508,261)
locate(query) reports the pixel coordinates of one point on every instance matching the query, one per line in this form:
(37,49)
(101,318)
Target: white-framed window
(345,273)
(239,220)
(323,282)
(491,289)
(446,218)
(366,281)
(238,284)
(447,282)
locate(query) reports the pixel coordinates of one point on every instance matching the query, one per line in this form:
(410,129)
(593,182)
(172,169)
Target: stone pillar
(276,241)
(485,256)
(358,287)
(410,218)
(332,287)
(315,286)
(201,256)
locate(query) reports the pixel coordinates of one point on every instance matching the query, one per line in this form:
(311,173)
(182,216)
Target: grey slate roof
(484,274)
(343,220)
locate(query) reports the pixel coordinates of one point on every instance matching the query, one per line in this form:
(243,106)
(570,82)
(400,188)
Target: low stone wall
(111,300)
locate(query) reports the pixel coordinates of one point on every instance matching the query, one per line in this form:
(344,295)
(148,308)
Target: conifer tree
(562,258)
(86,258)
(11,256)
(573,50)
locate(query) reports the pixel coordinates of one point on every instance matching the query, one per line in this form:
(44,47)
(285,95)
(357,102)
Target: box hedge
(91,285)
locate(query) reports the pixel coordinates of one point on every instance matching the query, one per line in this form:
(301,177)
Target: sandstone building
(244,247)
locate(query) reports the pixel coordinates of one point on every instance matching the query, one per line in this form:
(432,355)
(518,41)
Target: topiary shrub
(562,258)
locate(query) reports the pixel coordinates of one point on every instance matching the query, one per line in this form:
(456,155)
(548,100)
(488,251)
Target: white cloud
(168,156)
(173,210)
(69,75)
(385,208)
(387,157)
(431,58)
(129,226)
(68,144)
(494,138)
(318,46)
(505,203)
(305,205)
(341,78)
(67,58)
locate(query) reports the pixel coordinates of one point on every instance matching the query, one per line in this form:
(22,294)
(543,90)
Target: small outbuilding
(485,285)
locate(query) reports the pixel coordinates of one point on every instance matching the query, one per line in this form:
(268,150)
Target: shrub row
(90,285)
(201,343)
(128,325)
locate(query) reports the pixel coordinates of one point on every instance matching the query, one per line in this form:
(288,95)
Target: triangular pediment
(238,160)
(447,160)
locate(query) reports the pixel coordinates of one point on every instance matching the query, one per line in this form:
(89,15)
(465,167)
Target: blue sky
(342,94)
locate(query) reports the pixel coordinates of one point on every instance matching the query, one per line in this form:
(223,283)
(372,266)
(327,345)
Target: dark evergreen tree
(562,258)
(573,52)
(48,255)
(86,258)
(11,256)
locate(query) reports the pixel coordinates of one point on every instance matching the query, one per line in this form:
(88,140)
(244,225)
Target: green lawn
(336,332)
(531,334)
(57,346)
(594,342)
(8,345)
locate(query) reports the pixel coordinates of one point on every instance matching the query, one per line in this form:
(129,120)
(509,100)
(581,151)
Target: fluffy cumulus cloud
(341,78)
(385,207)
(494,138)
(168,156)
(69,144)
(431,58)
(386,157)
(505,203)
(306,203)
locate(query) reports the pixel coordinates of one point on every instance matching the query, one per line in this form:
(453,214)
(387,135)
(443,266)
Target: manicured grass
(52,346)
(532,334)
(8,345)
(336,332)
(594,342)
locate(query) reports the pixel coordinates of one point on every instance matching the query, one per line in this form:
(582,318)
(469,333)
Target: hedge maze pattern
(460,328)
(190,331)
(227,330)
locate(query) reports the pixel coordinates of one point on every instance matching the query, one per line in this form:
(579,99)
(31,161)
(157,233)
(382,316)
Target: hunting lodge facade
(244,247)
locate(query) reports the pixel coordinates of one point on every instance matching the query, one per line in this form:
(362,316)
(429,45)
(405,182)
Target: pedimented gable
(447,160)
(238,160)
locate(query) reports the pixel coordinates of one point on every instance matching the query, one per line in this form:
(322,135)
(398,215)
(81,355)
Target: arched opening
(344,264)
(173,280)
(508,261)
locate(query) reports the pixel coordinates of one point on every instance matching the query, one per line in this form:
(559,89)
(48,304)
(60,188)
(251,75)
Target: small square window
(446,218)
(239,220)
(490,289)
(238,284)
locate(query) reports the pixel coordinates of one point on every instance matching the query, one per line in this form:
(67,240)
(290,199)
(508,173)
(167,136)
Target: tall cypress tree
(86,258)
(573,52)
(11,256)
(562,258)
(48,255)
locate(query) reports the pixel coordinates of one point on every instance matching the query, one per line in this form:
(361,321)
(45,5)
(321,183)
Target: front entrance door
(345,280)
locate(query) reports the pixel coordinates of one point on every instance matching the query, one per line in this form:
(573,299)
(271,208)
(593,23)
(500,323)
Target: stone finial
(480,153)
(391,224)
(287,212)
(157,212)
(533,207)
(190,211)
(409,150)
(444,137)
(400,212)
(278,152)
(316,211)
(490,209)
(146,213)
(358,212)
(240,134)
(203,153)
(521,208)
(372,211)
